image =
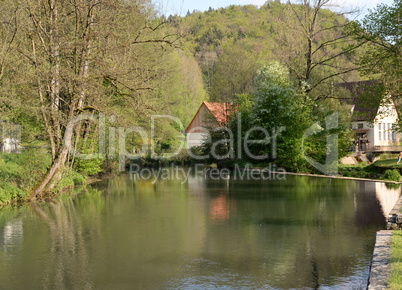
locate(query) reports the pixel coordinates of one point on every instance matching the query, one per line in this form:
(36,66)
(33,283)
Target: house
(10,137)
(374,118)
(210,115)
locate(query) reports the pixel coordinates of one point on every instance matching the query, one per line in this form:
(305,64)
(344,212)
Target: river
(197,233)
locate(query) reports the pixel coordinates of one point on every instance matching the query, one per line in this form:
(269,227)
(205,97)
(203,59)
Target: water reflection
(388,195)
(13,236)
(304,232)
(66,265)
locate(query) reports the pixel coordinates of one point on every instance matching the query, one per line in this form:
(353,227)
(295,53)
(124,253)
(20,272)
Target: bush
(25,169)
(9,192)
(392,175)
(89,166)
(69,180)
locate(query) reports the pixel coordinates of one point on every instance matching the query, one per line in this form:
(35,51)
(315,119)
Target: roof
(220,112)
(365,100)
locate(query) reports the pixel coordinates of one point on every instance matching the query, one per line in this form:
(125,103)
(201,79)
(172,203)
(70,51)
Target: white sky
(182,6)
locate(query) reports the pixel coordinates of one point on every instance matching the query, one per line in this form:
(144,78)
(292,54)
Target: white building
(373,119)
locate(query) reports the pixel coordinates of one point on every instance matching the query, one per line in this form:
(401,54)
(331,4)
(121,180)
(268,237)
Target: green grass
(388,163)
(361,170)
(395,278)
(20,172)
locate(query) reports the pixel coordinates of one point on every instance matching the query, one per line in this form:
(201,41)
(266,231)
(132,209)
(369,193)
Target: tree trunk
(58,165)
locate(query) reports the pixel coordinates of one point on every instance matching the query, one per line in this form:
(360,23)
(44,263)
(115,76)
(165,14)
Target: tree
(275,121)
(315,49)
(85,56)
(380,35)
(277,109)
(233,74)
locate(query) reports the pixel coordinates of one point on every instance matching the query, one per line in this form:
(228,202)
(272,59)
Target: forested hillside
(231,43)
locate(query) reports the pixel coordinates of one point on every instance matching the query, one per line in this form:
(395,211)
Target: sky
(182,6)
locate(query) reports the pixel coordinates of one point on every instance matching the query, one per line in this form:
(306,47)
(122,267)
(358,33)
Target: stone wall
(395,217)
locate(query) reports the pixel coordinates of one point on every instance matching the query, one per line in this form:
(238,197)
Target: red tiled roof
(220,112)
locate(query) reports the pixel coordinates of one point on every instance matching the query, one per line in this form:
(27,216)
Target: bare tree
(315,48)
(80,51)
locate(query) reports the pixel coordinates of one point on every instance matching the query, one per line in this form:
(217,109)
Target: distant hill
(261,33)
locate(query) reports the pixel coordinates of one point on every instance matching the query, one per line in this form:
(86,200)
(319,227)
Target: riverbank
(20,172)
(333,177)
(380,264)
(384,168)
(386,266)
(395,277)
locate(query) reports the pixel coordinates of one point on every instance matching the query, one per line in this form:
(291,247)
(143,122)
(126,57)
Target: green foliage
(285,113)
(273,74)
(379,33)
(69,180)
(360,170)
(392,175)
(233,74)
(9,192)
(243,35)
(388,163)
(23,170)
(89,166)
(277,105)
(20,172)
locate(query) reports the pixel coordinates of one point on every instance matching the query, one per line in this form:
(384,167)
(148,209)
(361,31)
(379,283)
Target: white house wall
(194,139)
(386,115)
(389,117)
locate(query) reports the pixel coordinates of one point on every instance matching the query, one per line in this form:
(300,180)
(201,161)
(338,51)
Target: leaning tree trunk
(57,165)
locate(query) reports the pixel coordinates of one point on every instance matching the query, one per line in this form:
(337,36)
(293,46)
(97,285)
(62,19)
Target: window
(379,132)
(360,126)
(393,133)
(384,127)
(389,132)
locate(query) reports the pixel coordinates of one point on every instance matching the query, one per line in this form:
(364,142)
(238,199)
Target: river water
(198,233)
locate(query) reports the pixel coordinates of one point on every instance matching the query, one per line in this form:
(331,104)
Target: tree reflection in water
(66,266)
(302,232)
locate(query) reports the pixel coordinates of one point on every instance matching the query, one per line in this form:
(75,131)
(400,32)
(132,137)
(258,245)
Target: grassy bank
(395,278)
(383,169)
(20,172)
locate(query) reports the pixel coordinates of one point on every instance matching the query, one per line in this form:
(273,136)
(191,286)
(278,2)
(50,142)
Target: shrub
(70,178)
(25,169)
(9,192)
(392,175)
(89,166)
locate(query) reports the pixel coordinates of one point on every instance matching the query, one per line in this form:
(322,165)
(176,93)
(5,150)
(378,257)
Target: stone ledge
(380,267)
(395,217)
